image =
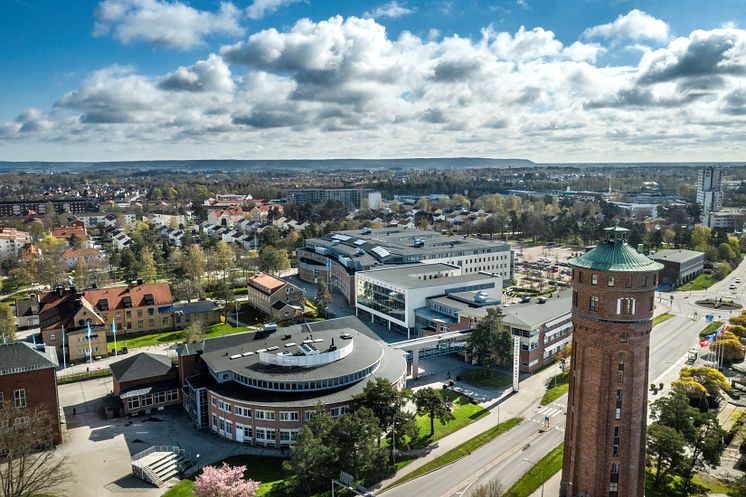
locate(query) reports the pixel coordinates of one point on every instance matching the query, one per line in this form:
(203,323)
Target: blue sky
(549,81)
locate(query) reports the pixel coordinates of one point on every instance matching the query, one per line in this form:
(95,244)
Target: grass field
(701,282)
(556,389)
(462,450)
(661,317)
(464,412)
(173,336)
(544,469)
(267,470)
(710,328)
(481,377)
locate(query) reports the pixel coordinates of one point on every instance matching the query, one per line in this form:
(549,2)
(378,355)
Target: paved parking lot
(99,450)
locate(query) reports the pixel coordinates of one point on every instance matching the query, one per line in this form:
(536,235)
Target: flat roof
(676,255)
(526,315)
(367,349)
(406,276)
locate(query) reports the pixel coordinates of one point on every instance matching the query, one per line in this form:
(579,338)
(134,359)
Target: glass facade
(384,300)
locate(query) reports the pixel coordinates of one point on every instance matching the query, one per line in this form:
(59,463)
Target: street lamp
(541,469)
(197,456)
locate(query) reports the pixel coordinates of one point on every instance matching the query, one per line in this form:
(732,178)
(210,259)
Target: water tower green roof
(615,255)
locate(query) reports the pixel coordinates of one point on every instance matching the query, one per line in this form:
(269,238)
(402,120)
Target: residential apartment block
(11,242)
(350,197)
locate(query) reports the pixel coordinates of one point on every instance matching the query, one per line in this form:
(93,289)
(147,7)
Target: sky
(550,81)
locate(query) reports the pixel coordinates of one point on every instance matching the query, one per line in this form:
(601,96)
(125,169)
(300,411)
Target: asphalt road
(505,458)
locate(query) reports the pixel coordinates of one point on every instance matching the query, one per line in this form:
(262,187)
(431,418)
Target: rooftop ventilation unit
(480,297)
(236,356)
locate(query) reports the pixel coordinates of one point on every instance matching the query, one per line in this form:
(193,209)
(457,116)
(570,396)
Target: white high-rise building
(709,191)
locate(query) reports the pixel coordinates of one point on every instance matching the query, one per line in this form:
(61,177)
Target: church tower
(612,310)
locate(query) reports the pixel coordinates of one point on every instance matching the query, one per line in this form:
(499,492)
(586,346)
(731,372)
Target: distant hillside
(232,165)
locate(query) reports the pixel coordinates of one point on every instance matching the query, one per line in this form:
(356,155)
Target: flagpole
(90,350)
(64,359)
(114,331)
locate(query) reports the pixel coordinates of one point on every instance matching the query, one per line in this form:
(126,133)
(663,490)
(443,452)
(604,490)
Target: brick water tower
(612,311)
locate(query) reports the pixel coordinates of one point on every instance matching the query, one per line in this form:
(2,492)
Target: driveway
(98,450)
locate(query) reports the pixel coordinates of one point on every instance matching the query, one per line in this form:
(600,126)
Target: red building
(28,381)
(612,311)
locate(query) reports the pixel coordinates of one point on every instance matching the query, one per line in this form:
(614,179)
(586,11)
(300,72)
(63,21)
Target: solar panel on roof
(360,242)
(341,238)
(235,356)
(380,251)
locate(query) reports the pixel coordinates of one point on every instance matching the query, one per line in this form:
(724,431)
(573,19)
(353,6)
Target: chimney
(640,248)
(139,281)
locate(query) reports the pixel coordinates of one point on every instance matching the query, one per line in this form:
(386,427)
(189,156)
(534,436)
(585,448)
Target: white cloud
(259,8)
(635,25)
(391,10)
(160,22)
(304,90)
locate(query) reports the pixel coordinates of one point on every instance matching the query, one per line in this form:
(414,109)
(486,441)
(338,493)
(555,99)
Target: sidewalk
(508,406)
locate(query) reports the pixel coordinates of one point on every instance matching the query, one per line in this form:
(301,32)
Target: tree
(323,298)
(222,258)
(729,346)
(488,343)
(29,462)
(312,461)
(383,398)
(194,333)
(665,449)
(147,268)
(273,260)
(50,266)
(354,438)
(710,378)
(434,404)
(224,481)
(81,273)
(7,323)
(492,488)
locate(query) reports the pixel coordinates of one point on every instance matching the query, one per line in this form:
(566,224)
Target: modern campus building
(709,190)
(612,312)
(544,327)
(679,266)
(350,197)
(338,256)
(390,295)
(277,298)
(28,381)
(259,388)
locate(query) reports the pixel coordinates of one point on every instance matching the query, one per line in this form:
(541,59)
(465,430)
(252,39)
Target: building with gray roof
(679,266)
(259,387)
(337,256)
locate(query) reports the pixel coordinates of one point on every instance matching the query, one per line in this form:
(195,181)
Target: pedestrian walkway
(524,403)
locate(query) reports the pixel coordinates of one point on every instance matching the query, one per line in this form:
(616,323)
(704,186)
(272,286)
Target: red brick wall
(41,391)
(599,336)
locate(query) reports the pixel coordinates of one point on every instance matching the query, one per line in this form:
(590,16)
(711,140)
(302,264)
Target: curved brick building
(259,388)
(612,311)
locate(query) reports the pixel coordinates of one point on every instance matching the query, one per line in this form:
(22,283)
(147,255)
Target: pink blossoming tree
(224,481)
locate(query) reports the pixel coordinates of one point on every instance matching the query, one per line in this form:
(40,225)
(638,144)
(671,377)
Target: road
(504,458)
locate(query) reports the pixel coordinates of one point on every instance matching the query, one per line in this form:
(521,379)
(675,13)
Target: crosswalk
(546,413)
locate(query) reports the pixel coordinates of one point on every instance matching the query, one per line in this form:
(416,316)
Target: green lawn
(710,328)
(662,317)
(557,386)
(267,470)
(464,411)
(701,282)
(673,486)
(251,316)
(458,452)
(173,336)
(544,469)
(481,377)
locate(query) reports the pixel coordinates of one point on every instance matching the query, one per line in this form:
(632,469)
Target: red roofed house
(135,310)
(67,233)
(278,298)
(260,212)
(90,256)
(226,217)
